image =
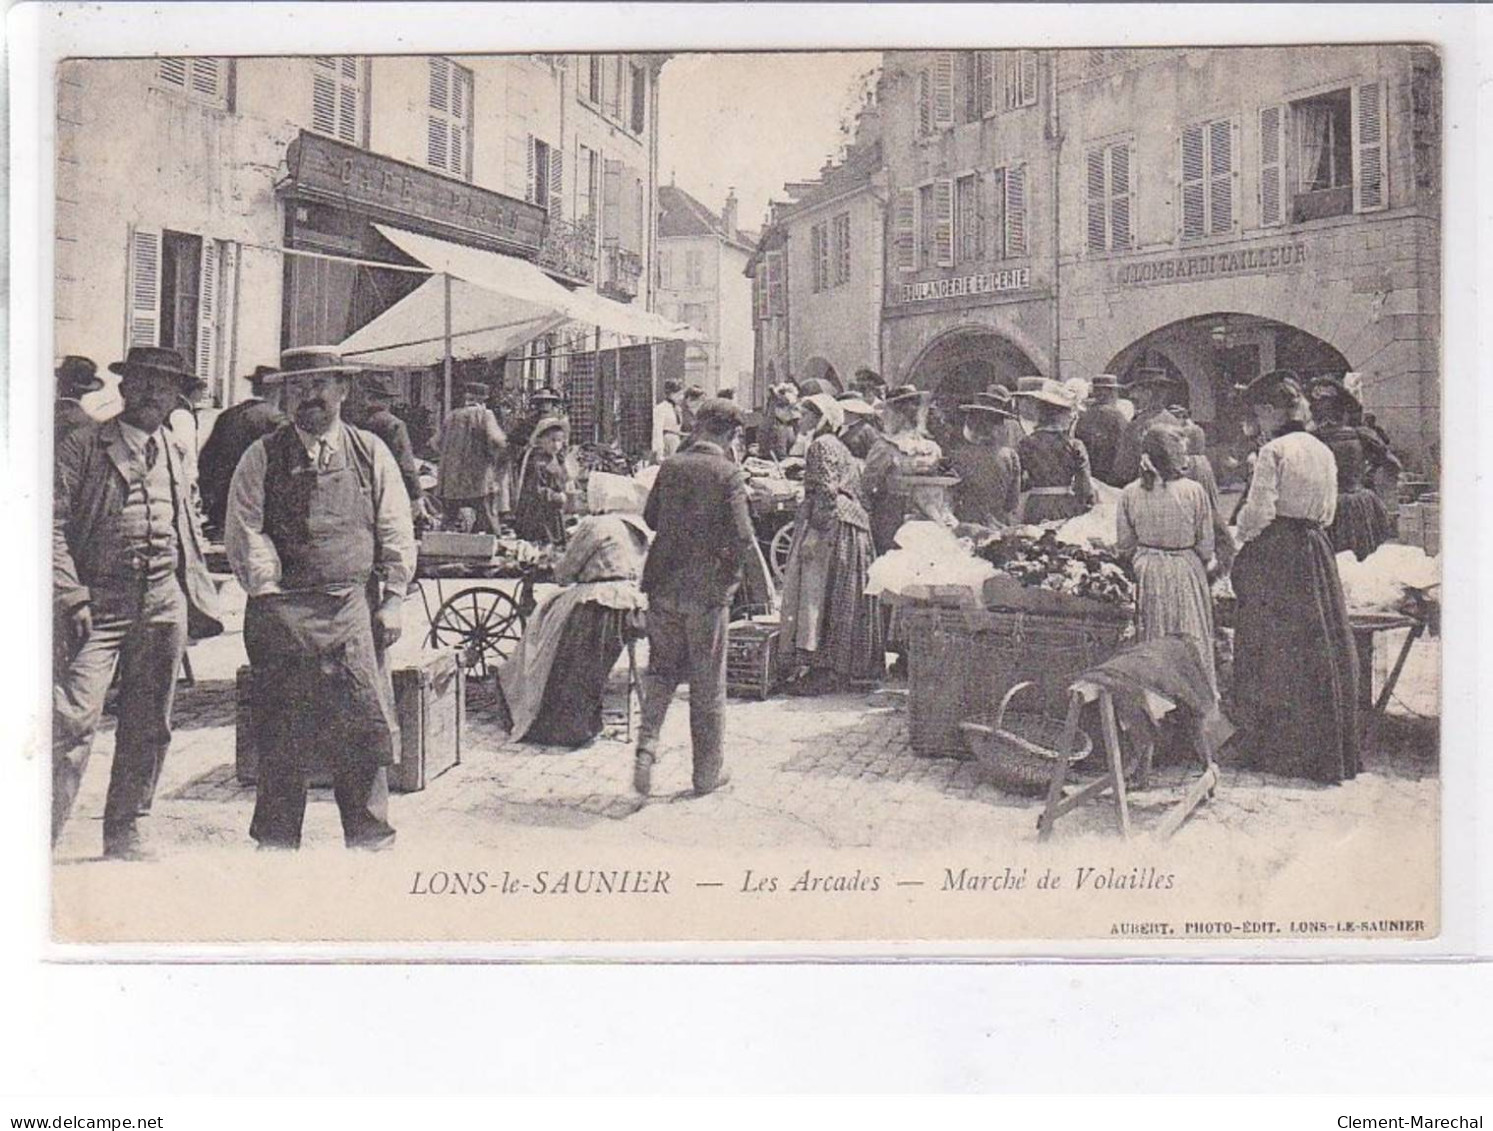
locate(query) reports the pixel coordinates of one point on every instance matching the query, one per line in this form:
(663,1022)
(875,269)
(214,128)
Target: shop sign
(330,171)
(1213,265)
(964,286)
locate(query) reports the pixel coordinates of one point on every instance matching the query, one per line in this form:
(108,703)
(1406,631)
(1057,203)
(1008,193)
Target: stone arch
(819,369)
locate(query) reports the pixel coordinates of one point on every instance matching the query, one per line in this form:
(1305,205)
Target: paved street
(835,771)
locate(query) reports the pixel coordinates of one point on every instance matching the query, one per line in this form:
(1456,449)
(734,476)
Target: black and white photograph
(955,497)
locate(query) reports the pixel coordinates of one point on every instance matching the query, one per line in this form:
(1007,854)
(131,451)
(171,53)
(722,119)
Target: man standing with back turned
(319,536)
(698,507)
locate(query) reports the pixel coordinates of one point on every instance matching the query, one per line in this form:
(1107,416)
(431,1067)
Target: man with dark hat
(474,461)
(703,546)
(319,536)
(989,470)
(1100,426)
(903,445)
(129,583)
(543,404)
(1149,391)
(237,427)
(374,413)
(76,378)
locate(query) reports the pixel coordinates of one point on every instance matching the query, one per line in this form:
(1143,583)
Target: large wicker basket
(1018,751)
(962,660)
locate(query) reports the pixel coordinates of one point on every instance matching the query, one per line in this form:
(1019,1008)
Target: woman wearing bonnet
(827,617)
(553,682)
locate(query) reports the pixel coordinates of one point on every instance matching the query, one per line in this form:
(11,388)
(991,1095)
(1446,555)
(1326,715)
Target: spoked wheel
(483,623)
(777,551)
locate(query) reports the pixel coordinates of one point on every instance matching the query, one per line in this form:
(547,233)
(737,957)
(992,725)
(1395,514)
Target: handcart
(483,622)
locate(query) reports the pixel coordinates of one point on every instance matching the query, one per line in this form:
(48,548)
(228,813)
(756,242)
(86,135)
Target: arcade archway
(960,364)
(819,369)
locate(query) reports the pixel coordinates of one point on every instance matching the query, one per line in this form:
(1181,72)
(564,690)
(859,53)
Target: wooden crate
(430,700)
(752,659)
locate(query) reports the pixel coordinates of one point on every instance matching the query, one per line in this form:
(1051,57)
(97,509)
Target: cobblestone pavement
(835,771)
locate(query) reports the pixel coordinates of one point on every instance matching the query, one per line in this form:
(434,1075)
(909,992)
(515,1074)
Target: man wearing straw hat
(129,583)
(319,535)
(1149,391)
(474,458)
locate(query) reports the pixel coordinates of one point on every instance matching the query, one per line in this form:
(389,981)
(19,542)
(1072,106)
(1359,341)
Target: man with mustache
(129,581)
(319,535)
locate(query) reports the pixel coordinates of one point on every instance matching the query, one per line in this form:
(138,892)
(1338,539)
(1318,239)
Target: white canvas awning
(498,303)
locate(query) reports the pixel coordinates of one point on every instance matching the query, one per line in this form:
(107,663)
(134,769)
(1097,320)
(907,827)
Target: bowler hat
(1332,389)
(154,359)
(77,375)
(264,375)
(995,399)
(1147,377)
(1105,381)
(1260,389)
(308,361)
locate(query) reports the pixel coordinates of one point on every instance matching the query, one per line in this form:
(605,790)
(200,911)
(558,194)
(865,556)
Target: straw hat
(1048,392)
(996,400)
(309,361)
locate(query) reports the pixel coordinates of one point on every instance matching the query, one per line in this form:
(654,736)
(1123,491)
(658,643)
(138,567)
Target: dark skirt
(570,712)
(1295,693)
(1362,523)
(1046,508)
(853,646)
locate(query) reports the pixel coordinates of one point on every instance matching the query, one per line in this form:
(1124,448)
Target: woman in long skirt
(1295,668)
(1166,522)
(552,684)
(833,626)
(1362,523)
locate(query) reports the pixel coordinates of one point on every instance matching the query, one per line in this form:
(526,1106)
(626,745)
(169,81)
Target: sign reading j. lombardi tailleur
(1213,265)
(989,283)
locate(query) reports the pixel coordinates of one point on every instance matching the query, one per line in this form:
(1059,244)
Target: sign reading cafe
(991,282)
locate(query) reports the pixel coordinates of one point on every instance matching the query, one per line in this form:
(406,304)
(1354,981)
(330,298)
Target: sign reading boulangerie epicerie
(1213,265)
(963,286)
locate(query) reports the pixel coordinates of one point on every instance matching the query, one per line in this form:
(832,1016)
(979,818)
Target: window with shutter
(1194,184)
(925,102)
(202,78)
(557,182)
(1097,187)
(987,78)
(1272,150)
(943,89)
(144,321)
(777,305)
(1220,177)
(611,200)
(971,61)
(969,228)
(943,233)
(639,99)
(927,228)
(1108,193)
(904,231)
(997,222)
(1370,177)
(1120,190)
(842,250)
(818,258)
(593,88)
(337,97)
(1016,212)
(206,366)
(449,119)
(1027,65)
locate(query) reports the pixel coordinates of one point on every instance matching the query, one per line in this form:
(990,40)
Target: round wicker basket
(1018,751)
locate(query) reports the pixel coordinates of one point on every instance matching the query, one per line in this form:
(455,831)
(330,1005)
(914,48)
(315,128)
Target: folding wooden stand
(1113,781)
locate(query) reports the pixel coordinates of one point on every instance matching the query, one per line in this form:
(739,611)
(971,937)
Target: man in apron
(320,537)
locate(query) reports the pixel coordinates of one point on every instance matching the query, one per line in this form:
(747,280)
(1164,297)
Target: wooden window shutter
(775,298)
(210,280)
(207,76)
(997,222)
(904,237)
(943,89)
(1193,177)
(557,181)
(1016,211)
(349,100)
(144,311)
(461,116)
(1220,177)
(987,72)
(1119,196)
(1010,80)
(943,217)
(324,99)
(174,72)
(1098,201)
(925,102)
(1370,133)
(531,179)
(611,199)
(437,144)
(1272,166)
(1027,62)
(440,84)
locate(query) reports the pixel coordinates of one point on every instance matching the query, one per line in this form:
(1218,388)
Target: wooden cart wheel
(777,551)
(483,623)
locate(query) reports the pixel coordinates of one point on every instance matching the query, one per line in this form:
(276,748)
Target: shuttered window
(759,292)
(1370,134)
(337,97)
(1108,189)
(777,304)
(209,282)
(1016,226)
(943,89)
(179,294)
(639,99)
(904,230)
(202,78)
(841,234)
(544,175)
(448,137)
(969,219)
(1208,179)
(819,257)
(1272,166)
(144,288)
(1018,79)
(611,200)
(925,102)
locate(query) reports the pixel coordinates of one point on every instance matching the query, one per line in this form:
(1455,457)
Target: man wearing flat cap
(236,428)
(76,378)
(473,471)
(319,535)
(1149,391)
(129,583)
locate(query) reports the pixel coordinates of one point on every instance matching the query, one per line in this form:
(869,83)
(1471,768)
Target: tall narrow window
(586,173)
(904,230)
(819,252)
(449,119)
(540,171)
(943,89)
(842,247)
(927,228)
(639,99)
(1208,179)
(1108,189)
(594,79)
(969,221)
(337,97)
(1016,212)
(1272,166)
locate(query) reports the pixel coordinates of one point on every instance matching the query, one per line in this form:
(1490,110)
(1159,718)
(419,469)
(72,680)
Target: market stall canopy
(498,302)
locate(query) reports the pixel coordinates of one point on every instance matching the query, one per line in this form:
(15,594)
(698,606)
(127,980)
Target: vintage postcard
(962,501)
